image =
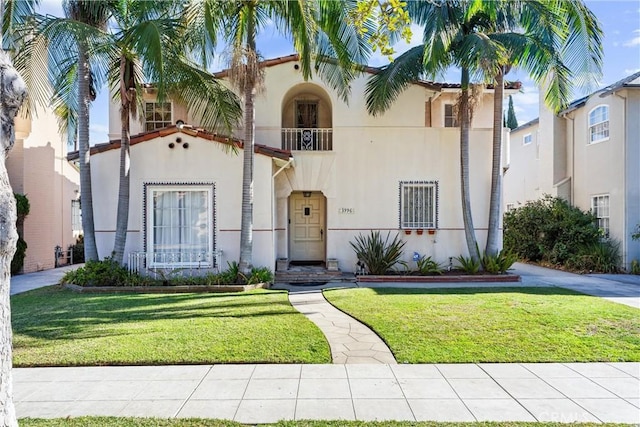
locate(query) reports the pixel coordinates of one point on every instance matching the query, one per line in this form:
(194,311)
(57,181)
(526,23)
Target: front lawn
(57,327)
(495,325)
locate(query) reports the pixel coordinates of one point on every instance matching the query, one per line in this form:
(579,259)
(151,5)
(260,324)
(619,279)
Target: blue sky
(620,21)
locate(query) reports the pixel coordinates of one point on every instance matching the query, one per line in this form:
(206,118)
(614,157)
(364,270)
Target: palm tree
(318,28)
(482,38)
(545,39)
(452,36)
(146,44)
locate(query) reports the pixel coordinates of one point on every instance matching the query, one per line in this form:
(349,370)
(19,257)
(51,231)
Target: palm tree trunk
(246,222)
(465,123)
(122,218)
(86,198)
(496,166)
(12,96)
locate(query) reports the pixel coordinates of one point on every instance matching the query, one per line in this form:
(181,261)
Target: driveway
(620,288)
(27,282)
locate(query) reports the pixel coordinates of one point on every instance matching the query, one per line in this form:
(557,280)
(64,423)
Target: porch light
(306,193)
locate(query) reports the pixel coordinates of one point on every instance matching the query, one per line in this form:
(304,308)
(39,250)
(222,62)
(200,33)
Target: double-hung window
(157,115)
(418,204)
(76,216)
(599,124)
(450,116)
(180,225)
(600,208)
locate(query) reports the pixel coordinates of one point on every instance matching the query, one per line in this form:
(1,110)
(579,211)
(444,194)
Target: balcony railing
(162,264)
(307,139)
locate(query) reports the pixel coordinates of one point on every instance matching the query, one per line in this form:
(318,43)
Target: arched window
(599,124)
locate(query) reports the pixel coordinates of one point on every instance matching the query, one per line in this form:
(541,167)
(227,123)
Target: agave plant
(378,255)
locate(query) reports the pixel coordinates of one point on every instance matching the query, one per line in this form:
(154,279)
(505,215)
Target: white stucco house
(589,154)
(325,171)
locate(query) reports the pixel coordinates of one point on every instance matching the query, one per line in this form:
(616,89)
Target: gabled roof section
(435,86)
(632,81)
(526,125)
(187,130)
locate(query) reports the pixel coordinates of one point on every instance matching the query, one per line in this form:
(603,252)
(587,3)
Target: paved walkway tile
(267,393)
(350,341)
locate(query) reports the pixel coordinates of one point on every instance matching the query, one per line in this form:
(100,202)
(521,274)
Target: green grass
(57,327)
(187,422)
(495,325)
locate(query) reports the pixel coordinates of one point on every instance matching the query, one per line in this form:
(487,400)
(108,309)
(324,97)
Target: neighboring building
(37,167)
(589,154)
(324,172)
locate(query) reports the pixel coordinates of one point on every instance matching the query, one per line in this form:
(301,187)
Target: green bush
(427,266)
(17,262)
(635,267)
(22,206)
(100,273)
(635,235)
(378,255)
(600,257)
(78,250)
(468,265)
(550,230)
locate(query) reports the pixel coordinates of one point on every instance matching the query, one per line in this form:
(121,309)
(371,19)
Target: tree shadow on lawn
(531,290)
(64,315)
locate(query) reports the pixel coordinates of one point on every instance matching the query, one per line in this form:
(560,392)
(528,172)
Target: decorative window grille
(599,124)
(157,115)
(418,204)
(600,208)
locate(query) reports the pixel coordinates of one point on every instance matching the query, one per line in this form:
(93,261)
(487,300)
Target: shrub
(378,255)
(499,263)
(468,265)
(22,210)
(78,250)
(549,229)
(635,267)
(17,262)
(101,273)
(260,275)
(601,257)
(635,235)
(426,265)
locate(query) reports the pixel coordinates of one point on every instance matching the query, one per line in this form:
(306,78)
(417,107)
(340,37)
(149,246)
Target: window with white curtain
(600,208)
(418,204)
(180,224)
(599,124)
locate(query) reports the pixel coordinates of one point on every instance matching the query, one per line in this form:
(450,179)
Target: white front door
(306,226)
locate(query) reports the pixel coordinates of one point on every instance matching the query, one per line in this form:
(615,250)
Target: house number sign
(349,211)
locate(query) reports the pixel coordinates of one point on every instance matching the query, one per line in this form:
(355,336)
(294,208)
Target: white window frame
(162,123)
(205,262)
(527,139)
(603,221)
(453,117)
(76,215)
(598,127)
(413,225)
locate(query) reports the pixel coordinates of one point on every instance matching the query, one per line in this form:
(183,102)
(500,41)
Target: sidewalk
(606,392)
(27,282)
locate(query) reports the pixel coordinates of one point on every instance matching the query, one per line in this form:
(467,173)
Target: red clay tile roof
(373,70)
(187,130)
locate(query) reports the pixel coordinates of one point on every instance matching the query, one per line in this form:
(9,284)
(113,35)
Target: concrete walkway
(620,288)
(27,282)
(606,392)
(350,340)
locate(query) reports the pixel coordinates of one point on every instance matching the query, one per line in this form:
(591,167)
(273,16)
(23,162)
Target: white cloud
(99,128)
(634,41)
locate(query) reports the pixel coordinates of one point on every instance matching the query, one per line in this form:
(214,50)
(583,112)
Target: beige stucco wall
(38,167)
(203,162)
(370,156)
(522,179)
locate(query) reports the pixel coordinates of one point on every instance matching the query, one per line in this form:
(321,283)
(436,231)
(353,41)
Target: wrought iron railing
(159,264)
(307,139)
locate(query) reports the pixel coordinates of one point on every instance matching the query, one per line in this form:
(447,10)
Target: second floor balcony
(307,139)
